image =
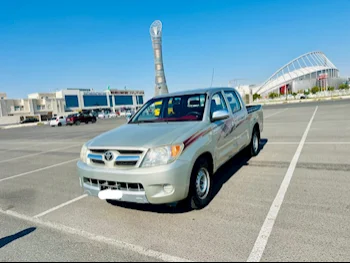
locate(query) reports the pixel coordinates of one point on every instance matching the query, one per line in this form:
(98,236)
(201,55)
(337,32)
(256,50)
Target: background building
(44,106)
(302,73)
(109,100)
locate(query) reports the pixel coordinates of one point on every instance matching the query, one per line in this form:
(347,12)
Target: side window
(61,118)
(233,101)
(217,103)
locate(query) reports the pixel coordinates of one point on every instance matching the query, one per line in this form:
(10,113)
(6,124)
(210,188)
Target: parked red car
(78,118)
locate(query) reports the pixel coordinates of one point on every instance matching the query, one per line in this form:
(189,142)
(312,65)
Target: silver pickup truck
(171,148)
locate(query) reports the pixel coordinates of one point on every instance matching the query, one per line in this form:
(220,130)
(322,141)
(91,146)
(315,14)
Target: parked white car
(113,115)
(58,121)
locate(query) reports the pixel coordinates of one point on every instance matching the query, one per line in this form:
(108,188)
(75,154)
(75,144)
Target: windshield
(176,109)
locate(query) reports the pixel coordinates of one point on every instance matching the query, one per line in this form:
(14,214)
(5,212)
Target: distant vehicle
(103,115)
(78,118)
(171,148)
(58,121)
(30,120)
(113,115)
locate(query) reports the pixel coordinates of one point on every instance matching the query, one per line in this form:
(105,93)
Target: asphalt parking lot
(290,203)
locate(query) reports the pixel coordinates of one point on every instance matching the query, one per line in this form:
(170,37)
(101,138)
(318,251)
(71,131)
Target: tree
(343,86)
(256,96)
(315,89)
(273,95)
(294,94)
(330,88)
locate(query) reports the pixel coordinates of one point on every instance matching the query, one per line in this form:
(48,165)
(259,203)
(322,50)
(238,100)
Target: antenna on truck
(212,78)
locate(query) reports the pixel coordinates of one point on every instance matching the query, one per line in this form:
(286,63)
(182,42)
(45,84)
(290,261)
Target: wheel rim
(203,183)
(255,142)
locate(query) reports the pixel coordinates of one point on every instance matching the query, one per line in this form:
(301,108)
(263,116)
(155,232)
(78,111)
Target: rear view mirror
(220,115)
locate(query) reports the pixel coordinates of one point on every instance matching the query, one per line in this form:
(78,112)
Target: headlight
(83,154)
(162,155)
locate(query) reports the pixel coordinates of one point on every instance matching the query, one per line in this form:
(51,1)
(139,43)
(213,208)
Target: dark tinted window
(72,101)
(94,100)
(123,100)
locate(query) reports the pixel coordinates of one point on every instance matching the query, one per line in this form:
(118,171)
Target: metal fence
(319,95)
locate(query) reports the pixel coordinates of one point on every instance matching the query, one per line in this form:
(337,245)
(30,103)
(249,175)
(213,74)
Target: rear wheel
(254,147)
(60,124)
(200,191)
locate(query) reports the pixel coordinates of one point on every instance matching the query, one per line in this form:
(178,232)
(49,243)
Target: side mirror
(220,115)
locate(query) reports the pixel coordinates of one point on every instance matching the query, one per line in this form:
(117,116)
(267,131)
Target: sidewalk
(12,126)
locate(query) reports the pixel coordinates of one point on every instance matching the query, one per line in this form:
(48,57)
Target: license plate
(110,194)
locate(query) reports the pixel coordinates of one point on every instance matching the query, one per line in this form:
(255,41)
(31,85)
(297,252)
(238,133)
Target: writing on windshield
(176,108)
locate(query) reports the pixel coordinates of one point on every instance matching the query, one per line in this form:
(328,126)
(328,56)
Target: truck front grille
(112,185)
(121,158)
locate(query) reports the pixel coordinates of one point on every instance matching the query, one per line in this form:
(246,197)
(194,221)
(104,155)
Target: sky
(52,45)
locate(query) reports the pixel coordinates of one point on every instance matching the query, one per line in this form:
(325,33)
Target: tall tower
(156,35)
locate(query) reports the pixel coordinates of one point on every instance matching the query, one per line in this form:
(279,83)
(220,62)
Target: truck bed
(253,108)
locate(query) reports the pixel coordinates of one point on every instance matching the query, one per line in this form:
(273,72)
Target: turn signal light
(175,150)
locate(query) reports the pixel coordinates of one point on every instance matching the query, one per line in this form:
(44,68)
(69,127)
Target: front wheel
(200,191)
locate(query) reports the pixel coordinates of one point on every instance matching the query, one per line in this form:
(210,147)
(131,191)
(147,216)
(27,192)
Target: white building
(39,105)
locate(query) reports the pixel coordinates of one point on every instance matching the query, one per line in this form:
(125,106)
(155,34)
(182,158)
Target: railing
(319,95)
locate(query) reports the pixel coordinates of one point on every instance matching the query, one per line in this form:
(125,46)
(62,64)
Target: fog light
(168,188)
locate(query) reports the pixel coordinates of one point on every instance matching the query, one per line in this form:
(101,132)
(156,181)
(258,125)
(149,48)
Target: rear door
(240,130)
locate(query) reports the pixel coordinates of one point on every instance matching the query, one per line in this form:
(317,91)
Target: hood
(146,135)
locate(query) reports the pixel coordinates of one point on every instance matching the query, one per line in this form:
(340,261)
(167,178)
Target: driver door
(221,130)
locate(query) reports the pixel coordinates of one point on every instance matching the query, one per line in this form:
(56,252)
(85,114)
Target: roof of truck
(194,91)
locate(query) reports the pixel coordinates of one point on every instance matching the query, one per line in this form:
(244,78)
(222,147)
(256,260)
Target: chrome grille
(122,158)
(112,185)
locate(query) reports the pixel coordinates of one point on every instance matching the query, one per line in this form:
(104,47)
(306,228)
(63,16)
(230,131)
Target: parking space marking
(109,241)
(273,114)
(261,242)
(39,153)
(310,143)
(38,170)
(60,206)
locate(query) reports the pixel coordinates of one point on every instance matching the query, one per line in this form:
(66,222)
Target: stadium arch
(304,72)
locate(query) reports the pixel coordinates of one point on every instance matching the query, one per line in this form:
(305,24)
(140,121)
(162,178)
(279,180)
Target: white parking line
(310,143)
(273,114)
(109,241)
(39,153)
(261,242)
(38,170)
(60,206)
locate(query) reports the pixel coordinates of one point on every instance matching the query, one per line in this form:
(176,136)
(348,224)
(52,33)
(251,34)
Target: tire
(86,122)
(60,124)
(201,185)
(93,121)
(254,146)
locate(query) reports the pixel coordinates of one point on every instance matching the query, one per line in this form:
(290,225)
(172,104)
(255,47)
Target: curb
(23,125)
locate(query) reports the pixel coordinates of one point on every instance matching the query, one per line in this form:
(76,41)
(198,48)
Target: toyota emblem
(109,156)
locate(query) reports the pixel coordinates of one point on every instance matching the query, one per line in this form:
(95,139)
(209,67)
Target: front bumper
(150,181)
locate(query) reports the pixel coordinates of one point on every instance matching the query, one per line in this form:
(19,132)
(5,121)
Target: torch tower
(156,35)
